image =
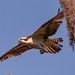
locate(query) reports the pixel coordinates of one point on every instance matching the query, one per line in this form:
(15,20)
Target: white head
(23,39)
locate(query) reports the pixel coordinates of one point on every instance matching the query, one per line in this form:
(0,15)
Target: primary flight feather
(39,40)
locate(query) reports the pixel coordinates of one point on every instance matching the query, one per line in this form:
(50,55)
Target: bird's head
(22,39)
(25,39)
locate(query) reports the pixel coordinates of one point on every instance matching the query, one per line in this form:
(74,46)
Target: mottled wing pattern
(50,27)
(15,51)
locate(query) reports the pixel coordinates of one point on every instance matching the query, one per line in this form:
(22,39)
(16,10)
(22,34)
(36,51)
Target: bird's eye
(21,39)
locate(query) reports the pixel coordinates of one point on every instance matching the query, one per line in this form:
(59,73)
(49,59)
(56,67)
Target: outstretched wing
(50,27)
(17,50)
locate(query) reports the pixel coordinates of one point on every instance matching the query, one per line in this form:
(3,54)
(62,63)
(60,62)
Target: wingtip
(59,16)
(1,59)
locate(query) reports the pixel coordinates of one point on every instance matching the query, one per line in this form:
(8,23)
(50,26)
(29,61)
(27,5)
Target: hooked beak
(19,41)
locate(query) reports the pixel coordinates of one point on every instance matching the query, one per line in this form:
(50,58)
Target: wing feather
(17,50)
(50,27)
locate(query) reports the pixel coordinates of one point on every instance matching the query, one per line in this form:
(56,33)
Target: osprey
(39,40)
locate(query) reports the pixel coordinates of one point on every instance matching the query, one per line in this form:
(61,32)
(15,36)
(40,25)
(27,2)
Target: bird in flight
(39,40)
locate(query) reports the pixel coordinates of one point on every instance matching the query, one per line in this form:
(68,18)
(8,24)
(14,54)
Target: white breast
(38,42)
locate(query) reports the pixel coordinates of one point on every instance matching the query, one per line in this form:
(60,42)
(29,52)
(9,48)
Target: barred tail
(53,45)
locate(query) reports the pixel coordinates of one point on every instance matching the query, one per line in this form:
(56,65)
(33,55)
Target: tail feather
(56,40)
(53,51)
(53,44)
